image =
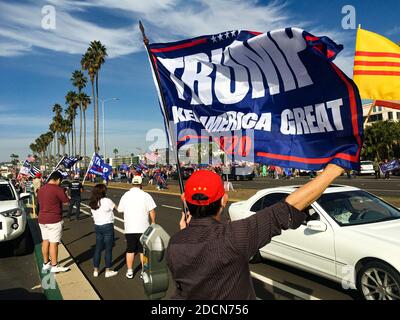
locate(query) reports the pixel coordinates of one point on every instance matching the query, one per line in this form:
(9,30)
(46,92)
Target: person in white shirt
(137,206)
(103,216)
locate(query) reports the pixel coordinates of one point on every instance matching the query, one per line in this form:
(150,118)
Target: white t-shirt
(136,205)
(104,214)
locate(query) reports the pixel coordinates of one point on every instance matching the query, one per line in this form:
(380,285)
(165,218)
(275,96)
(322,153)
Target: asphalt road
(272,281)
(19,277)
(379,187)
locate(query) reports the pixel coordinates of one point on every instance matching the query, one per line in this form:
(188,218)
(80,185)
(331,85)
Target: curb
(54,293)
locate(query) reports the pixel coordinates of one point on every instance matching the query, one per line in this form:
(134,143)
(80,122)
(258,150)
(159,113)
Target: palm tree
(115,151)
(71,99)
(57,124)
(92,61)
(79,81)
(84,100)
(87,62)
(63,142)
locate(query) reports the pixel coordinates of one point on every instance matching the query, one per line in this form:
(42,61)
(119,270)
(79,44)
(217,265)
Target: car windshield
(6,193)
(356,208)
(367,163)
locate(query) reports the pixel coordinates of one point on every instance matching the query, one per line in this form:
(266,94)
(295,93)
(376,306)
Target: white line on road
(176,208)
(115,227)
(283,287)
(119,219)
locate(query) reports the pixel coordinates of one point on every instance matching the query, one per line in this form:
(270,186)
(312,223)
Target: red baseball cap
(203,188)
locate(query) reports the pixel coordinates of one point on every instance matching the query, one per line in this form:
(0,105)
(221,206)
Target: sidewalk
(71,285)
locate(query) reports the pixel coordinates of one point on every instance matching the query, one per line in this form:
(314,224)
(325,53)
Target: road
(378,187)
(19,277)
(272,281)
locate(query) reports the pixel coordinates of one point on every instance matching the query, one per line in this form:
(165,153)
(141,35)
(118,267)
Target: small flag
(34,171)
(63,173)
(153,157)
(100,168)
(376,66)
(69,162)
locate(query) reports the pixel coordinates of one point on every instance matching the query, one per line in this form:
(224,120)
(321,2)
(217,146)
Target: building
(119,160)
(380,113)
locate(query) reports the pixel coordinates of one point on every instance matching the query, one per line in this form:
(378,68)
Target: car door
(310,250)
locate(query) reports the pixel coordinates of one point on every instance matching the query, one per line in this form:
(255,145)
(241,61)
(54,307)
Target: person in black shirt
(75,188)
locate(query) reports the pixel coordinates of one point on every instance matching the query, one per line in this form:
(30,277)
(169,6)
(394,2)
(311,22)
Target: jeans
(104,240)
(74,202)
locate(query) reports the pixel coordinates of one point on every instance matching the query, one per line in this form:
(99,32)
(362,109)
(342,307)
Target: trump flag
(273,98)
(100,168)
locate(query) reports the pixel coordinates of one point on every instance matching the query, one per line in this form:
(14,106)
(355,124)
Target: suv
(13,224)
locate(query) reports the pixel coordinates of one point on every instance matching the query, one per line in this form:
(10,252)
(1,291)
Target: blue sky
(36,64)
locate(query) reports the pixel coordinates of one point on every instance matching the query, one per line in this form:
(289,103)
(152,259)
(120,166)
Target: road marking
(283,287)
(115,227)
(176,208)
(115,217)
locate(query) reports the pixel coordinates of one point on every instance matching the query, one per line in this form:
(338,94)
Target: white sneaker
(46,267)
(57,269)
(111,273)
(95,274)
(129,274)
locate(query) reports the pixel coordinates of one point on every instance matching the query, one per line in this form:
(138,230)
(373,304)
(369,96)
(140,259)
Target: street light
(104,128)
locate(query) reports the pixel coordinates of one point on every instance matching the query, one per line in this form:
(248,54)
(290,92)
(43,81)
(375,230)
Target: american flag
(34,171)
(153,157)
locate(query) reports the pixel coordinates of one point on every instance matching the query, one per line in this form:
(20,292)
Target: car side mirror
(318,226)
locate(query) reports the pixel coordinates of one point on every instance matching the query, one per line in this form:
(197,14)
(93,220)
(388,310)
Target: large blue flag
(100,168)
(273,98)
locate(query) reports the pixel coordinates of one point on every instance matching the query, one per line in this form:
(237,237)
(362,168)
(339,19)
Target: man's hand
(185,222)
(307,194)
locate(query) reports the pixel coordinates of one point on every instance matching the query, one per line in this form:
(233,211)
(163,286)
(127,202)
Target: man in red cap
(209,259)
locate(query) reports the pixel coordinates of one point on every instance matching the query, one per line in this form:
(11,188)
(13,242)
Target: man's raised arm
(307,194)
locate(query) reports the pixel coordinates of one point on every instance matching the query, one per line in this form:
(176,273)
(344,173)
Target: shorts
(52,232)
(133,244)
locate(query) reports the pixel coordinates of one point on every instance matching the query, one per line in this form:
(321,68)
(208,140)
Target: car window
(268,200)
(6,193)
(357,207)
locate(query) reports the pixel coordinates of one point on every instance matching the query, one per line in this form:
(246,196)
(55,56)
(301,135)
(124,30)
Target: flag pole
(164,108)
(370,112)
(90,165)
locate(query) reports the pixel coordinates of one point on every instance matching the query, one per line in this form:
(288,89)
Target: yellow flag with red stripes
(377,66)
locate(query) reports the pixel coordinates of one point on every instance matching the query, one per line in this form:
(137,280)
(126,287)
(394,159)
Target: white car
(13,224)
(352,237)
(367,167)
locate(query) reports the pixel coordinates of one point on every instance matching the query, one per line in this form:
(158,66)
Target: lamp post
(104,128)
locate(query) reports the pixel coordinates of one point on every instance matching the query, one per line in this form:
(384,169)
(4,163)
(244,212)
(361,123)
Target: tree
(382,141)
(84,100)
(92,61)
(71,99)
(14,159)
(79,81)
(115,151)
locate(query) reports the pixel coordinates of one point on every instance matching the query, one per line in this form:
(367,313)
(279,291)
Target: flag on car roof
(377,66)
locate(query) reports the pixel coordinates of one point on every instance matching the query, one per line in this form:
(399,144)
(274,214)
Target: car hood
(388,231)
(8,205)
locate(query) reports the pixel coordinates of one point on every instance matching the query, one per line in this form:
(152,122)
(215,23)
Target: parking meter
(155,271)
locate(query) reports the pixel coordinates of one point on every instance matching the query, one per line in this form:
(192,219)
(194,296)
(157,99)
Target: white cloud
(21,26)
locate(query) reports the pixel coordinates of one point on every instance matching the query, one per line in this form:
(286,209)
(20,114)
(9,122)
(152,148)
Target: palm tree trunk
(84,137)
(58,144)
(95,120)
(97,108)
(80,130)
(74,129)
(69,144)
